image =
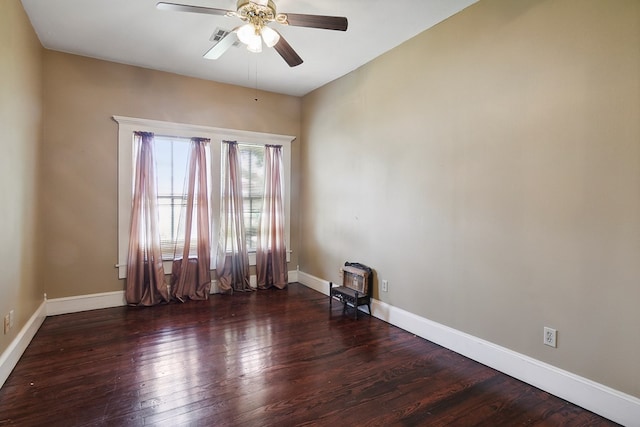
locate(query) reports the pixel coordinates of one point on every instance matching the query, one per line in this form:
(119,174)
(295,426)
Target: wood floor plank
(267,358)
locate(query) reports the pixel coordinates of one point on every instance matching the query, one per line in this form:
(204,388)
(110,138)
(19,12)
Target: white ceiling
(134,32)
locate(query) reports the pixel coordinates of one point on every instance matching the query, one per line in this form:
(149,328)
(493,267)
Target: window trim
(126,127)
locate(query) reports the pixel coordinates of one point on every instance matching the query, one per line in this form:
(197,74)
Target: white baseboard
(293,276)
(12,354)
(605,401)
(313,282)
(85,302)
(215,289)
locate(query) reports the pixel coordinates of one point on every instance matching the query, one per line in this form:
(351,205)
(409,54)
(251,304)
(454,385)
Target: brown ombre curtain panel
(145,275)
(191,273)
(232,264)
(271,253)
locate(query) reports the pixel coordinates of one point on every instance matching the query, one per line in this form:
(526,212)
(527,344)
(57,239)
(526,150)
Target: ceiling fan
(257,14)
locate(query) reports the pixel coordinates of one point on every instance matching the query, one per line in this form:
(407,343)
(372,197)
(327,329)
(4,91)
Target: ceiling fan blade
(175,7)
(222,46)
(286,51)
(339,23)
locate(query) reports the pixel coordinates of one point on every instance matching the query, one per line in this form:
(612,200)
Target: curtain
(191,276)
(232,264)
(271,253)
(145,275)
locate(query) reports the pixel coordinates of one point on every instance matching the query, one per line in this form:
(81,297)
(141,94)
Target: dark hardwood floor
(268,358)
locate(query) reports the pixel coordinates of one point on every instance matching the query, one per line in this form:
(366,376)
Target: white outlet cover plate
(549,338)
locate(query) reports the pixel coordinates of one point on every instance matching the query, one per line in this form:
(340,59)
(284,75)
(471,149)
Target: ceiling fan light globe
(255,45)
(247,33)
(270,36)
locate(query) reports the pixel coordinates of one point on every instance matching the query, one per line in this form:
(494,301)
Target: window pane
(172,156)
(252,165)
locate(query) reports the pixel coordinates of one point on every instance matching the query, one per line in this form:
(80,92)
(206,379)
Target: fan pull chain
(256,98)
(255,76)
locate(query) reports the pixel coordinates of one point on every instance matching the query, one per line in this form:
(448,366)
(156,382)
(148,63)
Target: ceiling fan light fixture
(255,45)
(270,36)
(247,33)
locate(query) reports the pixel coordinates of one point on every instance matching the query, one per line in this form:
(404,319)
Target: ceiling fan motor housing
(258,13)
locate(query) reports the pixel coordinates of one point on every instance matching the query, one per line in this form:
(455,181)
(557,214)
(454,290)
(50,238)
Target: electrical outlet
(11,318)
(550,336)
(7,323)
(385,286)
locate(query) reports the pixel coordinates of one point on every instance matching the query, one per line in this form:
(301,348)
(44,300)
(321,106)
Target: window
(252,165)
(172,155)
(172,143)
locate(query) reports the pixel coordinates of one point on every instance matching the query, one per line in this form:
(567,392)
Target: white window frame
(128,125)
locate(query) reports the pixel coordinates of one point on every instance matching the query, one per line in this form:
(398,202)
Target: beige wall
(79,174)
(489,169)
(20,112)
